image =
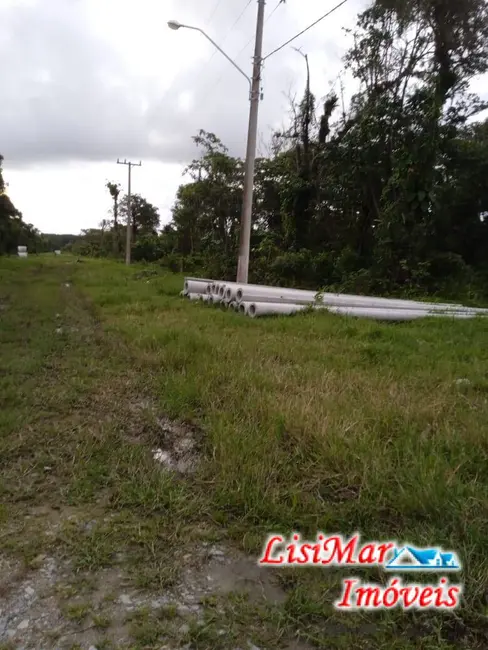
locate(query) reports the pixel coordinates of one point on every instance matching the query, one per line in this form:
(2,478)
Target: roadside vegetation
(308,423)
(383,194)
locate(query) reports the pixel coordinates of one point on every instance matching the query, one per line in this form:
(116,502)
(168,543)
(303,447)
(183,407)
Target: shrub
(147,248)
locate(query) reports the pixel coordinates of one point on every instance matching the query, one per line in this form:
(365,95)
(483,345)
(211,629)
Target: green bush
(294,268)
(147,248)
(182,263)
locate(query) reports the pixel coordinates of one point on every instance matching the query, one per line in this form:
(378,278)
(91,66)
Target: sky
(85,82)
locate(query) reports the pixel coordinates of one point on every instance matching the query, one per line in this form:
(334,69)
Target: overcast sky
(84,82)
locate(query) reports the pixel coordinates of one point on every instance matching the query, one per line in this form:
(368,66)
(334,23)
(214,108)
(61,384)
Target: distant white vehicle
(22,251)
(57,252)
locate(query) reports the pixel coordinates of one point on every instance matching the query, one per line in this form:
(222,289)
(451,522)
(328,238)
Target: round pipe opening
(242,309)
(239,294)
(221,290)
(228,294)
(252,310)
(186,285)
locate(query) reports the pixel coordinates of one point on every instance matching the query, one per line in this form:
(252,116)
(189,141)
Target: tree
(206,214)
(144,216)
(414,58)
(13,230)
(373,199)
(114,189)
(52,242)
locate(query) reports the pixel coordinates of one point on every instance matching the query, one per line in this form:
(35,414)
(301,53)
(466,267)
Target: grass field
(308,423)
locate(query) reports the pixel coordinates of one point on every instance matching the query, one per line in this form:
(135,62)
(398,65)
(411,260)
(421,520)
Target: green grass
(77,611)
(308,423)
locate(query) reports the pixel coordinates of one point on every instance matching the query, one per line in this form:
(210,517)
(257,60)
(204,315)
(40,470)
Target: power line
(248,42)
(306,29)
(214,11)
(245,47)
(231,28)
(331,11)
(280,2)
(251,39)
(239,16)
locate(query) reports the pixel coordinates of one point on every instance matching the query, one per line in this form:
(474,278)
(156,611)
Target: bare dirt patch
(178,449)
(178,443)
(52,607)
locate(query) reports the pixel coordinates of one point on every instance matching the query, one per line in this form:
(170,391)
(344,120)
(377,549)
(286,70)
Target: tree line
(387,193)
(14,231)
(109,239)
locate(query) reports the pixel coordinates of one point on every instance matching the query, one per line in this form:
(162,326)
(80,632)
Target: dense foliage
(387,193)
(13,229)
(110,238)
(53,241)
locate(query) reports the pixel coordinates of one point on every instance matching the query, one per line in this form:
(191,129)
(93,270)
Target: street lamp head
(174,24)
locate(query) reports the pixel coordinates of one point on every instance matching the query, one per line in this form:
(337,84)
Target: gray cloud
(67,95)
(58,99)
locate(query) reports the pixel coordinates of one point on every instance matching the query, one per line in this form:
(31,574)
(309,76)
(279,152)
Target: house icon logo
(410,558)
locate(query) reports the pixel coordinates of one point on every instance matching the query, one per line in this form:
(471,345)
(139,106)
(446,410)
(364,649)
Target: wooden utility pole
(129,210)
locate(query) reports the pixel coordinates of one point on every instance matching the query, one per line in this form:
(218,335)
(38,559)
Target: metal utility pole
(129,211)
(246,216)
(255,96)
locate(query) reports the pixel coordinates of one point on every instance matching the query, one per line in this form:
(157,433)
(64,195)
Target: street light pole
(255,96)
(246,216)
(174,24)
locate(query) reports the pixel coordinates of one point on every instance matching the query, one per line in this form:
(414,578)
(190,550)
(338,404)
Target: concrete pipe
(257,309)
(196,286)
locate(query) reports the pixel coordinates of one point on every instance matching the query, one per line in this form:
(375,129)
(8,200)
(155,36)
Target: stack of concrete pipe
(256,300)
